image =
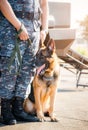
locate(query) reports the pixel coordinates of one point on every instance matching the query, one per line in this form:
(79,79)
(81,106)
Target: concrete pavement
(71,108)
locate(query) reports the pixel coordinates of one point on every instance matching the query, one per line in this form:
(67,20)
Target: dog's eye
(47,53)
(43,54)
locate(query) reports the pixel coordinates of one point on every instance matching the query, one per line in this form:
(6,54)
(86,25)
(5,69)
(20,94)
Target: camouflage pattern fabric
(10,84)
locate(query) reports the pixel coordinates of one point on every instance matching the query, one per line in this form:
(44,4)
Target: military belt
(28,15)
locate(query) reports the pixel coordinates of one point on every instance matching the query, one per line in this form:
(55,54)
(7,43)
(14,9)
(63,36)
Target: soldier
(22,17)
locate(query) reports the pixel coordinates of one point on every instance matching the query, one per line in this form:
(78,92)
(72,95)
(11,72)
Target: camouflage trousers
(16,85)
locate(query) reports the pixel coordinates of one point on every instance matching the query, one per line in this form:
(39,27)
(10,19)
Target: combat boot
(6,112)
(19,112)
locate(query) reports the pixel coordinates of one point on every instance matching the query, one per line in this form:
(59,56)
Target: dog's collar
(50,78)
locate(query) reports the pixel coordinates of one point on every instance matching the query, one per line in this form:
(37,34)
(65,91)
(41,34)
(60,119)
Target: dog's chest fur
(46,86)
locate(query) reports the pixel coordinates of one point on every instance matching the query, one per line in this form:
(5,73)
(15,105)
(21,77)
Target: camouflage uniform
(10,84)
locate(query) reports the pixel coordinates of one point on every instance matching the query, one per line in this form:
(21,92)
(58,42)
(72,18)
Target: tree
(84,28)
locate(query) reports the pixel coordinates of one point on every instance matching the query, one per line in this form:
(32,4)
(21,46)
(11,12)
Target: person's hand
(42,36)
(22,33)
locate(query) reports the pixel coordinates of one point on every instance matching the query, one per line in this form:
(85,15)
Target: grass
(82,51)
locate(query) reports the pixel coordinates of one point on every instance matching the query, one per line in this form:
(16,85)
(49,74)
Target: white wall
(79,8)
(60,0)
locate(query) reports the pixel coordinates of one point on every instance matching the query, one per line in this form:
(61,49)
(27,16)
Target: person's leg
(25,78)
(7,83)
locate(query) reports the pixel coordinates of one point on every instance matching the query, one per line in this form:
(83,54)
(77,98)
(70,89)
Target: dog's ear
(41,45)
(51,45)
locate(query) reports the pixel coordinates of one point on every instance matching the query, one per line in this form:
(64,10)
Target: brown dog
(44,84)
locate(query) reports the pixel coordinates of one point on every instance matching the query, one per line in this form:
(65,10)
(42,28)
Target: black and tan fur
(45,84)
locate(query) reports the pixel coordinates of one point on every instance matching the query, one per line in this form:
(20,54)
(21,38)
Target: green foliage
(82,51)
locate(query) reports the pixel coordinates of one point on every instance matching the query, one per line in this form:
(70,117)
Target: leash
(16,52)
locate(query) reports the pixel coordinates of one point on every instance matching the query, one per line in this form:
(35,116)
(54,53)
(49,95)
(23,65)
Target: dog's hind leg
(29,107)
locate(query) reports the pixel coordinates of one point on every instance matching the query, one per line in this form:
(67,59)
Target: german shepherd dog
(42,96)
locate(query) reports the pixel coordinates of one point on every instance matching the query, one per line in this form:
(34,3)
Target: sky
(79,8)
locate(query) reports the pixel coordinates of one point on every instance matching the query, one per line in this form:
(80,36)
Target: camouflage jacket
(7,32)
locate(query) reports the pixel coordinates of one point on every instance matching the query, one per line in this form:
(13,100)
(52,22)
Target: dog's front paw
(54,119)
(41,117)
